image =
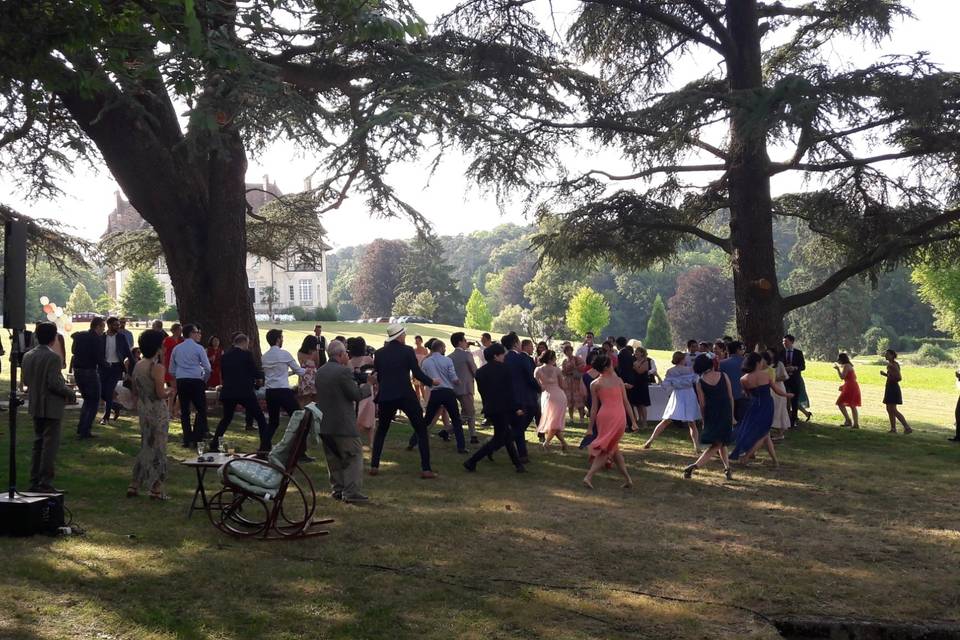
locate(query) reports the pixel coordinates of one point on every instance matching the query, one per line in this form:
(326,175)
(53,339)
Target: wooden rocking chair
(270,499)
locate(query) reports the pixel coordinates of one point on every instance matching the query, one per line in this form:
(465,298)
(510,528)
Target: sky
(451,203)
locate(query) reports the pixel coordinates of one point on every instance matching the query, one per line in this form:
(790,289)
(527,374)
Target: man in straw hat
(394,363)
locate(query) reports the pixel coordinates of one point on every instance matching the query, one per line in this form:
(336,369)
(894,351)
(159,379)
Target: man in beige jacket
(47,394)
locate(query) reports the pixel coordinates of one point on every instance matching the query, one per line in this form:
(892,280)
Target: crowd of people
(723,396)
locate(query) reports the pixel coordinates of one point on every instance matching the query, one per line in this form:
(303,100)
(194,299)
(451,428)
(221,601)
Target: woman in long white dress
(781,406)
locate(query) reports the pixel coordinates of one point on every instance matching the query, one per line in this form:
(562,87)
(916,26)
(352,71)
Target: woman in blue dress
(753,431)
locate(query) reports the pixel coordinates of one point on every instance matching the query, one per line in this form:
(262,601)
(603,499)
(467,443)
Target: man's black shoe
(46,488)
(521,469)
(474,440)
(444,436)
(469,467)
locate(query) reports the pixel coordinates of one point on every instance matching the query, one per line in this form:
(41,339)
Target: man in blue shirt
(732,366)
(439,367)
(190,367)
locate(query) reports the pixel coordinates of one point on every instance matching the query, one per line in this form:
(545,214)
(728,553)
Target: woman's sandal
(132,493)
(688,470)
(587,483)
(158,496)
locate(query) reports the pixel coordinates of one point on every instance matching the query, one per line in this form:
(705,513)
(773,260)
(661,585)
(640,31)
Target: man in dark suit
(525,391)
(116,352)
(499,406)
(47,394)
(239,375)
(394,364)
(321,343)
(337,395)
(87,360)
(795,364)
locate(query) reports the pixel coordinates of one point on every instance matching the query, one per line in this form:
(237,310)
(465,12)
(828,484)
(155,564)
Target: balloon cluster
(56,314)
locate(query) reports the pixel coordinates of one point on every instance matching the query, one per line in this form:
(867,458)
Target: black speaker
(27,514)
(14,275)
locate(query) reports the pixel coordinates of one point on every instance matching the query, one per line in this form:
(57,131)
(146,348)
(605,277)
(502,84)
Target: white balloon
(51,316)
(44,300)
(57,311)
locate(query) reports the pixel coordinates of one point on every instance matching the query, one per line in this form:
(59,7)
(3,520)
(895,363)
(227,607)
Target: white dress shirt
(112,357)
(277,365)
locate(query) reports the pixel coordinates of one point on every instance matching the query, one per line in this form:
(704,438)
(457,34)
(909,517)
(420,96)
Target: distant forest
(367,281)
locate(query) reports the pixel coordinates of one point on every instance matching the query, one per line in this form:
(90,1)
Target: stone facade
(302,285)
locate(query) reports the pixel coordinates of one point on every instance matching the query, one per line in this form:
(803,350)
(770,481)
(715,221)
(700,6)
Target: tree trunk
(756,291)
(190,188)
(207,254)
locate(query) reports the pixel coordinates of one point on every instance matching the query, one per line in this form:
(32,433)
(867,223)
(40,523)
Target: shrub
(328,313)
(170,313)
(913,343)
(299,313)
(872,337)
(931,354)
(882,345)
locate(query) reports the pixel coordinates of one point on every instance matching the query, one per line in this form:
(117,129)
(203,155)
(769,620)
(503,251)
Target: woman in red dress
(169,343)
(214,353)
(609,408)
(849,391)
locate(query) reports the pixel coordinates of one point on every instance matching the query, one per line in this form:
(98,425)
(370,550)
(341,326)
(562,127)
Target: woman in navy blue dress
(754,430)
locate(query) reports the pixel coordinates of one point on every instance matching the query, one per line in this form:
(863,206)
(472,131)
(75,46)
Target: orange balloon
(47,308)
(68,326)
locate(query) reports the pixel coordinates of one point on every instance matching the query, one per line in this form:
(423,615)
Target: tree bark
(756,290)
(207,256)
(192,192)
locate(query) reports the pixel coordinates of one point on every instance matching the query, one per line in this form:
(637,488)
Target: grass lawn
(854,524)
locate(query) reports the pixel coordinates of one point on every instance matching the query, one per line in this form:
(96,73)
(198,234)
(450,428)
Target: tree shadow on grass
(497,554)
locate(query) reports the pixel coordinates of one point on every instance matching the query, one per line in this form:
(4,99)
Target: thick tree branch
(610,124)
(677,168)
(665,19)
(723,243)
(780,167)
(912,238)
(716,25)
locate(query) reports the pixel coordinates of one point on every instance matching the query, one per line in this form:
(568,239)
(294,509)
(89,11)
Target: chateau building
(296,283)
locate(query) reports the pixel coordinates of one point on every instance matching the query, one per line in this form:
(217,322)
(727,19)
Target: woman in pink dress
(571,381)
(366,410)
(609,408)
(553,401)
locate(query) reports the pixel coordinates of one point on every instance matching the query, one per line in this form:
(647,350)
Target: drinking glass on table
(201,448)
(228,447)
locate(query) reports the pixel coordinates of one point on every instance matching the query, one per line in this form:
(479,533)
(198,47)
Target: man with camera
(338,391)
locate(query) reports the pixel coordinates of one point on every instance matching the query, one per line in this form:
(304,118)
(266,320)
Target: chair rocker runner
(271,499)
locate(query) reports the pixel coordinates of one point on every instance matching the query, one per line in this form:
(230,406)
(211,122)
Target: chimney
(266,182)
(119,196)
(307,184)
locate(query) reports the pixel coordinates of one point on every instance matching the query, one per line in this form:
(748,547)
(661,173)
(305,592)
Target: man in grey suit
(47,394)
(466,368)
(337,395)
